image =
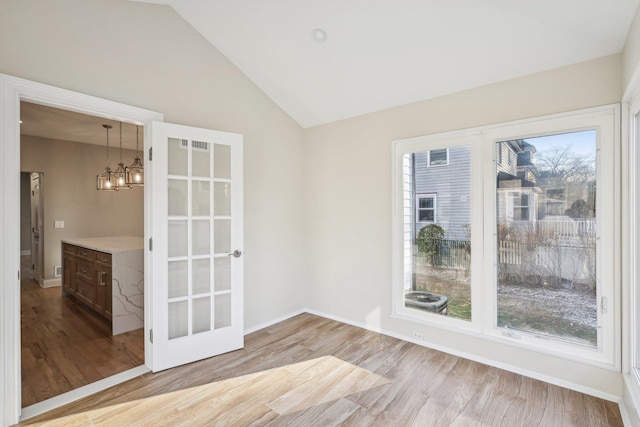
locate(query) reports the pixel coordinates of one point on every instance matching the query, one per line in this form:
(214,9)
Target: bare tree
(563,165)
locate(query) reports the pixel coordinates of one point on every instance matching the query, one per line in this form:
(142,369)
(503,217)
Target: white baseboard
(50,283)
(27,252)
(273,322)
(80,392)
(507,367)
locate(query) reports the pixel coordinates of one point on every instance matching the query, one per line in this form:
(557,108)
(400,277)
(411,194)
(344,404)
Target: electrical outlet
(417,335)
(58,224)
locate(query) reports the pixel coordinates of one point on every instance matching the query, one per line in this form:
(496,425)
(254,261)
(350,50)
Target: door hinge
(151,335)
(150,153)
(603,304)
(18,274)
(151,244)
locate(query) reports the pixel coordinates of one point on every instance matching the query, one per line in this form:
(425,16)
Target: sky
(583,142)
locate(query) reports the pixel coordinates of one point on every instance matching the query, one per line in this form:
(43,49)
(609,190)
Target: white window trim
(429,165)
(418,209)
(632,270)
(484,320)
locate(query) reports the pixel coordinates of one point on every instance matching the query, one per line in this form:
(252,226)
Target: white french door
(196,233)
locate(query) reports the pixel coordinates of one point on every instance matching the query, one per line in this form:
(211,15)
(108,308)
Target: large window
(523,247)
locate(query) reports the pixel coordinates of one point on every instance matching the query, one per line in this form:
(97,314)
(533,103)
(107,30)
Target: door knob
(236,253)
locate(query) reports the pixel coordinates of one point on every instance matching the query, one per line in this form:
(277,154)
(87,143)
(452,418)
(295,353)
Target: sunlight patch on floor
(260,396)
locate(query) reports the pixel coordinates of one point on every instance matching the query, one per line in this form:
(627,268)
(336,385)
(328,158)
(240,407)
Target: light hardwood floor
(311,371)
(64,346)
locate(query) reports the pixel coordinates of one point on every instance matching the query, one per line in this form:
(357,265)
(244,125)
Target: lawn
(544,310)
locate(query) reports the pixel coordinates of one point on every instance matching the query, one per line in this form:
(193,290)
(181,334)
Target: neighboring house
(442,189)
(518,192)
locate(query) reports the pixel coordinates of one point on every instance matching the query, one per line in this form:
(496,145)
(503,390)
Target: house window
(521,207)
(534,277)
(426,208)
(439,157)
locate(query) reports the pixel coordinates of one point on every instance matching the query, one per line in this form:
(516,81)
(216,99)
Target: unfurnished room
(339,213)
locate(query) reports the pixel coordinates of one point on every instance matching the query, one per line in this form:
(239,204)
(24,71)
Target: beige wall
(348,202)
(69,184)
(147,56)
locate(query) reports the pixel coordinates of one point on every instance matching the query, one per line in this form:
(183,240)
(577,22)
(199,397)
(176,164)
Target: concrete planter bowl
(427,301)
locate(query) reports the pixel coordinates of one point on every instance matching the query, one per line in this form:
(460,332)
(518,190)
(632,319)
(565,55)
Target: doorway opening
(82,316)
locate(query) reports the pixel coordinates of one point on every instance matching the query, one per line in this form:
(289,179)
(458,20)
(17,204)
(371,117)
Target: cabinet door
(86,291)
(102,302)
(68,269)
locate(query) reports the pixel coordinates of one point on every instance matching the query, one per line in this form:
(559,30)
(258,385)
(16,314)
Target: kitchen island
(106,274)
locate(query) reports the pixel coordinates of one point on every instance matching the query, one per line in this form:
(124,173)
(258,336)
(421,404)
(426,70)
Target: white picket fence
(559,229)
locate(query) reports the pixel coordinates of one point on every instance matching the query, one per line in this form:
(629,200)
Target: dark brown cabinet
(86,275)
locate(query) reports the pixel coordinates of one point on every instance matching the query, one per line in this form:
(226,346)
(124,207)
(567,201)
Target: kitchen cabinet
(106,273)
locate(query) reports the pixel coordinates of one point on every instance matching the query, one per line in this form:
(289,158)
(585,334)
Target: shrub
(429,239)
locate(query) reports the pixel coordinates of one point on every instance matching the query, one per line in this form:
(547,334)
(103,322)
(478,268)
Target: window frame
(633,244)
(418,208)
(606,121)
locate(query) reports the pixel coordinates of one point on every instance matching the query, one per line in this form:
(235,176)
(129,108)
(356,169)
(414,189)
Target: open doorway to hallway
(70,335)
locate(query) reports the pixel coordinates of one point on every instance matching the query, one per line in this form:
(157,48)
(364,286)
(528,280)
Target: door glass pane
(178,279)
(437,233)
(177,197)
(222,274)
(222,236)
(201,315)
(546,236)
(201,276)
(201,159)
(178,238)
(201,237)
(222,161)
(201,198)
(178,319)
(222,198)
(222,311)
(177,157)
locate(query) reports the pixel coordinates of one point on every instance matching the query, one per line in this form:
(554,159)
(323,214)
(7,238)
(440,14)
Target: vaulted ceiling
(379,53)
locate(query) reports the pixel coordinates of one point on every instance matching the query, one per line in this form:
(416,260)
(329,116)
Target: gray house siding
(451,185)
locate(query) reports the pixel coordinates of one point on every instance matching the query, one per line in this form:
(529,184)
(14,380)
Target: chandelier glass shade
(105,181)
(120,175)
(135,172)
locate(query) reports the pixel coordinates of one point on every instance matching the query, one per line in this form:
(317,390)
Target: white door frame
(12,91)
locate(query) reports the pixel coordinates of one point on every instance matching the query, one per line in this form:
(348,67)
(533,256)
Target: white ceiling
(382,53)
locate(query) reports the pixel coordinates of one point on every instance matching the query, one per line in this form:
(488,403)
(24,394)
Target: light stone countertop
(110,245)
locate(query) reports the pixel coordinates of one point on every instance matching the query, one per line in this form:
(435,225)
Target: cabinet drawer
(85,270)
(69,249)
(103,258)
(84,253)
(86,291)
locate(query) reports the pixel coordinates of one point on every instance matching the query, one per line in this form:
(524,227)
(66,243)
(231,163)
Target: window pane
(438,157)
(546,222)
(426,215)
(438,256)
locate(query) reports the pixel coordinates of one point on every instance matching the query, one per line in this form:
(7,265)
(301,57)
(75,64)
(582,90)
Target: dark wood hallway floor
(65,347)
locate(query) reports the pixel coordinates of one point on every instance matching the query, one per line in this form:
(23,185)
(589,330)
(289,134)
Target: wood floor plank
(347,377)
(64,346)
